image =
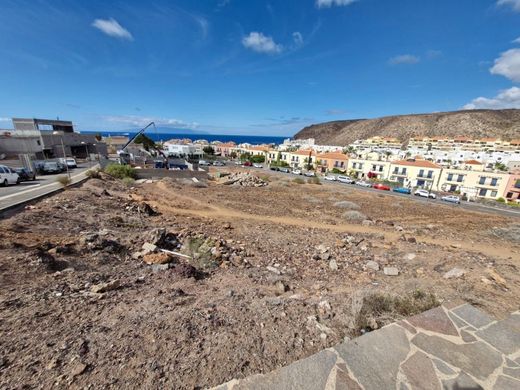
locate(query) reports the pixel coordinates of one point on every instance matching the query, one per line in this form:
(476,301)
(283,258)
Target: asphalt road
(470,206)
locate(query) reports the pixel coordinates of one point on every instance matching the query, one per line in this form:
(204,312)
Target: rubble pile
(244,180)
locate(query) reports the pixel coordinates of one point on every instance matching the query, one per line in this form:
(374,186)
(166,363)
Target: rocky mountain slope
(472,123)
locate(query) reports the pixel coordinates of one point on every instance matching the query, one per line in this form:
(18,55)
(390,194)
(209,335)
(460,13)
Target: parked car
(330,178)
(363,183)
(451,199)
(284,169)
(402,190)
(204,163)
(296,172)
(379,186)
(8,176)
(310,174)
(345,179)
(69,162)
(219,164)
(25,174)
(425,194)
(248,164)
(51,167)
(273,168)
(257,165)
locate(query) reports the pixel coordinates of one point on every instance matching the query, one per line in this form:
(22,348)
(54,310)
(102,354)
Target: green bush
(258,159)
(337,171)
(501,200)
(128,181)
(298,180)
(63,180)
(120,171)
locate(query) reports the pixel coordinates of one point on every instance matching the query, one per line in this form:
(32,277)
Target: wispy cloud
(508,65)
(517,40)
(203,25)
(260,43)
(140,121)
(223,3)
(515,4)
(5,119)
(112,28)
(335,111)
(508,98)
(332,3)
(407,59)
(297,38)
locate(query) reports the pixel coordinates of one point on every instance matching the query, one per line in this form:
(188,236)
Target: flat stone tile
(443,367)
(374,358)
(311,373)
(407,326)
(505,383)
(503,335)
(473,316)
(462,382)
(454,303)
(467,337)
(512,363)
(420,372)
(435,320)
(344,381)
(513,372)
(477,359)
(457,321)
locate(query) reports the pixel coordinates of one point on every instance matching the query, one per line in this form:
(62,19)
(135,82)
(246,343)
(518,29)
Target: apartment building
(378,143)
(464,143)
(474,183)
(415,173)
(224,149)
(512,192)
(371,168)
(326,162)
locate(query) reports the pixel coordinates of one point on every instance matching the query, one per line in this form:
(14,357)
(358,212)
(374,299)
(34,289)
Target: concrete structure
(183,150)
(453,347)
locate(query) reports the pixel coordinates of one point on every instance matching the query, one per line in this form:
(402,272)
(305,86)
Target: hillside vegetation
(504,124)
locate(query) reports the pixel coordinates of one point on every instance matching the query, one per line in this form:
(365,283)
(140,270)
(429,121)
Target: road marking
(38,187)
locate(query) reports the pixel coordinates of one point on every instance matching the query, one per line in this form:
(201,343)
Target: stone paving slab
(455,346)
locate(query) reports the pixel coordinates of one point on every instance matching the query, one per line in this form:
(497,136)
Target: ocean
(238,139)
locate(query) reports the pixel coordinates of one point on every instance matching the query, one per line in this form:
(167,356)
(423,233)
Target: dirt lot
(276,274)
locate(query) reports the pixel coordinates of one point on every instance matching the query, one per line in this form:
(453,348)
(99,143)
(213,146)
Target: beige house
(361,168)
(415,173)
(474,183)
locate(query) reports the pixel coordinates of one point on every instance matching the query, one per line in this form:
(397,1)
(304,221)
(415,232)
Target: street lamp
(63,149)
(86,152)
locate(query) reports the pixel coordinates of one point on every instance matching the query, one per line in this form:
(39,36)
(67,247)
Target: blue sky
(261,67)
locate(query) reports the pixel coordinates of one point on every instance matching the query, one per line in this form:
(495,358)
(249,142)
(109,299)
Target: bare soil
(286,278)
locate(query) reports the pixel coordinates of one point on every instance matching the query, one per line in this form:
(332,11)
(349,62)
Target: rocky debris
(496,277)
(354,216)
(367,222)
(244,180)
(510,233)
(391,271)
(273,270)
(281,287)
(157,258)
(104,287)
(333,265)
(410,256)
(187,271)
(210,252)
(77,369)
(454,273)
(345,204)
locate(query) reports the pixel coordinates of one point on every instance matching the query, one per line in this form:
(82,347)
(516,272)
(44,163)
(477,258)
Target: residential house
(224,149)
(415,173)
(512,192)
(328,161)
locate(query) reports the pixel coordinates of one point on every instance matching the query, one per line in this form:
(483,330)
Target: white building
(183,149)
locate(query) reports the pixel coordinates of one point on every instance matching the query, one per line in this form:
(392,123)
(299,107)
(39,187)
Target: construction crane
(124,156)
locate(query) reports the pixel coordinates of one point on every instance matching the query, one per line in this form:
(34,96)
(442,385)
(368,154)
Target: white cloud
(404,59)
(5,119)
(331,3)
(508,65)
(139,121)
(515,4)
(260,43)
(297,38)
(112,28)
(517,40)
(508,98)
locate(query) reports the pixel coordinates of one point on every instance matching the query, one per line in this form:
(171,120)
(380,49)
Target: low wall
(160,173)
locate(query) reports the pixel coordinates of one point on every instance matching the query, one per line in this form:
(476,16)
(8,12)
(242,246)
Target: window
(396,170)
(494,182)
(430,174)
(482,180)
(450,176)
(493,194)
(482,192)
(404,171)
(374,168)
(460,179)
(421,173)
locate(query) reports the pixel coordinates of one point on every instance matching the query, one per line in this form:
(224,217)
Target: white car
(296,172)
(256,165)
(330,178)
(70,162)
(451,199)
(425,194)
(8,176)
(363,183)
(204,163)
(345,179)
(310,174)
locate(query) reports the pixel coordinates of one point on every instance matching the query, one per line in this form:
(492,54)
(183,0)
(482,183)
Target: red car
(248,164)
(380,186)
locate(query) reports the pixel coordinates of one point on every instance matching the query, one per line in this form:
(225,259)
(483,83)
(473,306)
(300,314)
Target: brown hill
(503,124)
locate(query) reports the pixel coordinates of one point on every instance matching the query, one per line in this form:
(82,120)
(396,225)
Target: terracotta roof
(261,148)
(515,142)
(472,162)
(461,138)
(488,139)
(439,138)
(304,152)
(416,163)
(227,145)
(336,156)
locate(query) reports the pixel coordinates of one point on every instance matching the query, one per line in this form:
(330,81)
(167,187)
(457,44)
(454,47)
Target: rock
(367,222)
(496,277)
(410,256)
(273,269)
(399,228)
(280,287)
(160,267)
(333,265)
(104,287)
(325,256)
(78,369)
(456,246)
(148,247)
(412,240)
(322,248)
(454,273)
(157,258)
(227,226)
(391,271)
(373,265)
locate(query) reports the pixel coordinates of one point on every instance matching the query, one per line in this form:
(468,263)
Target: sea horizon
(237,138)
